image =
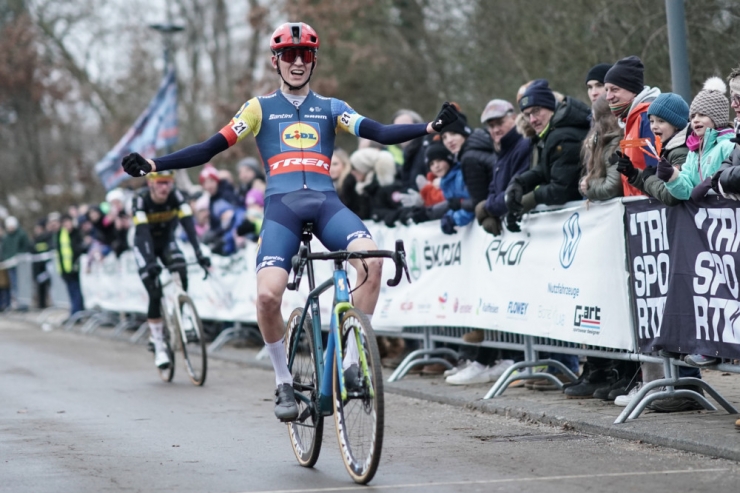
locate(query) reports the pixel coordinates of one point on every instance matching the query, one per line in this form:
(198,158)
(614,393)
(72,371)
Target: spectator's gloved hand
(512,222)
(448,225)
(393,216)
(446,115)
(648,172)
(700,191)
(665,170)
(411,198)
(513,197)
(715,182)
(203,261)
(245,228)
(421,181)
(454,204)
(419,215)
(624,165)
(720,189)
(153,269)
(135,165)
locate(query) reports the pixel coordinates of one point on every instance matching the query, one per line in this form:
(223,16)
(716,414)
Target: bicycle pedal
(191,336)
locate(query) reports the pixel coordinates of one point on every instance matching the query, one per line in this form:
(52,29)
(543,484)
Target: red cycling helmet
(294,35)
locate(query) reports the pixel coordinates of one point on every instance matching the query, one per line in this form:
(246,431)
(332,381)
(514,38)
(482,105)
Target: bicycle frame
(333,355)
(171,313)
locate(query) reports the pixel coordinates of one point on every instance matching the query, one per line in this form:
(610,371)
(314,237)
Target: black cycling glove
(446,115)
(135,165)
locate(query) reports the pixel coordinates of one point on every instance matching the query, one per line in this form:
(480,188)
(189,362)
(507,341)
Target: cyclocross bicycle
(318,379)
(184,329)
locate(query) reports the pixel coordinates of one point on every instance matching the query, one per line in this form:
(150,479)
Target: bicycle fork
(334,343)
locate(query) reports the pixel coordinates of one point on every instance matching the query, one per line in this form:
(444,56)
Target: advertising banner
(684,267)
(564,277)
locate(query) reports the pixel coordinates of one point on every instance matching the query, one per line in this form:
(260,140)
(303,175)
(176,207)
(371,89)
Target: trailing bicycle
(183,329)
(319,377)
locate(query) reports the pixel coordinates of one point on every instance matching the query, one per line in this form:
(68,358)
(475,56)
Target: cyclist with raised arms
(156,213)
(295,130)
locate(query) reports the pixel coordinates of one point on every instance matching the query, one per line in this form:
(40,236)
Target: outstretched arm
(392,134)
(191,156)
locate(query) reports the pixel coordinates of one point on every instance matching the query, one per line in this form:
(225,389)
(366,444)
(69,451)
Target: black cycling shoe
(352,379)
(286,408)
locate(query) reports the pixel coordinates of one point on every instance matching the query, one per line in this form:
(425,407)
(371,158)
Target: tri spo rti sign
(304,136)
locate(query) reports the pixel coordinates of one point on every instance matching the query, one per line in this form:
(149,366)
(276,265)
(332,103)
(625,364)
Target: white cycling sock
(352,355)
(157,331)
(279,360)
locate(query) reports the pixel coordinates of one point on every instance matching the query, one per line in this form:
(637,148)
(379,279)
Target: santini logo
(278,117)
(571,238)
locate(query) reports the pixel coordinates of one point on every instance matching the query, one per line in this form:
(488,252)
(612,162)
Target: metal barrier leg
(102,318)
(126,323)
(142,331)
(73,319)
(508,377)
(641,400)
(413,359)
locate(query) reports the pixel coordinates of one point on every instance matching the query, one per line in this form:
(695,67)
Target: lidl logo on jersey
(303,136)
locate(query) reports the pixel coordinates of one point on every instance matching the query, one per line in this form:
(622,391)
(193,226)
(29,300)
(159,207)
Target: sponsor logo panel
(288,162)
(302,135)
(571,239)
(587,319)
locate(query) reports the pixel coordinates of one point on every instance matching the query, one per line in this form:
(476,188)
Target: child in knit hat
(669,120)
(709,143)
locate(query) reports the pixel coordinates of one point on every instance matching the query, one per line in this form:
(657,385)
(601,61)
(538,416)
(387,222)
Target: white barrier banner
(564,277)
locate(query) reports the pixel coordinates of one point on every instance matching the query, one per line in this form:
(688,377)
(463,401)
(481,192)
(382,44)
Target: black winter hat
(628,73)
(538,94)
(459,126)
(598,72)
(437,150)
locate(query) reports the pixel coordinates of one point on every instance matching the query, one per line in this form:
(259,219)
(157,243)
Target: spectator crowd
(540,148)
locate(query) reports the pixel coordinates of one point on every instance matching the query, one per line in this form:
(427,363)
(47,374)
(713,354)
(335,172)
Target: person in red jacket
(629,100)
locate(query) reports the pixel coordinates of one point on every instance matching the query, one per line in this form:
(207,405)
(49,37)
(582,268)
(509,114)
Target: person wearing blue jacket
(453,187)
(514,154)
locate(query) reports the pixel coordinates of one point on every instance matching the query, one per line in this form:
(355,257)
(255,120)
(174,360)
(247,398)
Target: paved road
(86,414)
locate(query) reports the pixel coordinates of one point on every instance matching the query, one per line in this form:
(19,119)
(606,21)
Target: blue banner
(155,129)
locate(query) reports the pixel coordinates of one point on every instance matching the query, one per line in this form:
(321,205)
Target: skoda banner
(684,265)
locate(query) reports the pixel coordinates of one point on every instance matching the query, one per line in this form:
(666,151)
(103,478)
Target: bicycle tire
(360,420)
(306,433)
(192,342)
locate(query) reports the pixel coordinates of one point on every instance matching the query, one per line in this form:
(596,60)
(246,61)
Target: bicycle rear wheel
(359,418)
(193,344)
(307,431)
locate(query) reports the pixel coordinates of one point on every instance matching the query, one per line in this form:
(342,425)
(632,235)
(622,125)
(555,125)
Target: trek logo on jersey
(303,136)
(288,162)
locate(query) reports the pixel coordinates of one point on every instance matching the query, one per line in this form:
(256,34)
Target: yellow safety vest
(65,255)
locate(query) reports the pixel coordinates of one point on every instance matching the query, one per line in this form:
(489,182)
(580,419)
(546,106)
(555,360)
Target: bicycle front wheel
(359,417)
(193,344)
(307,431)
